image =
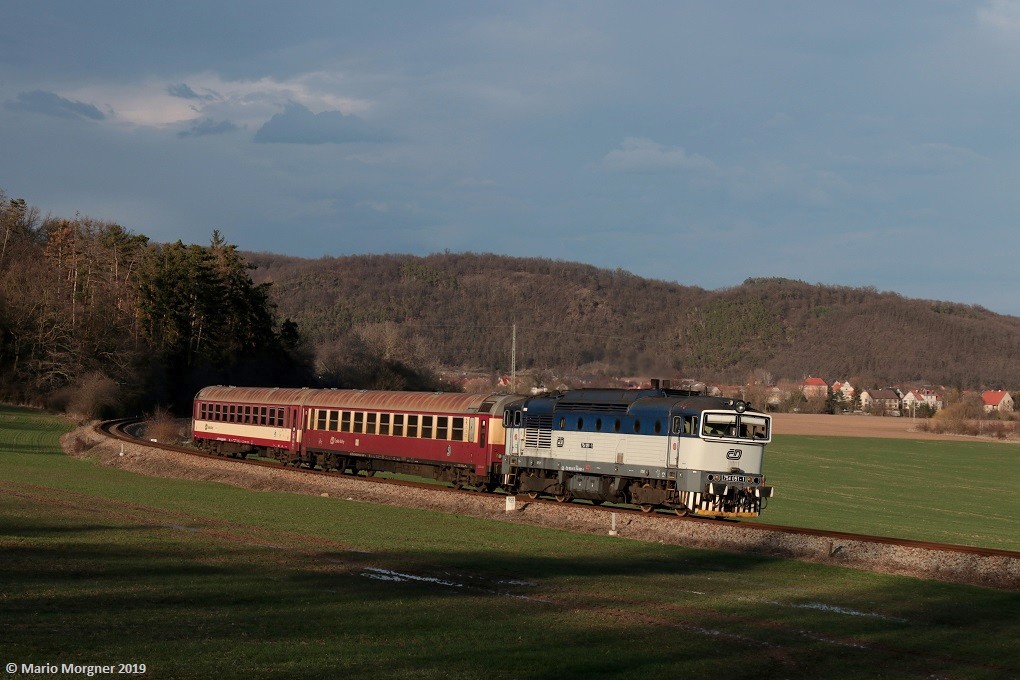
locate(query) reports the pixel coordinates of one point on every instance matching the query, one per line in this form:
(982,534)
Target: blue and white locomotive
(656,448)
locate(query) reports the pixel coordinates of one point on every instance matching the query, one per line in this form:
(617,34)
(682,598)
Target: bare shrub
(93,395)
(163,427)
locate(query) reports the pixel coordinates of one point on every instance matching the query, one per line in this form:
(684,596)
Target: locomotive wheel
(562,497)
(532,495)
(647,507)
(682,511)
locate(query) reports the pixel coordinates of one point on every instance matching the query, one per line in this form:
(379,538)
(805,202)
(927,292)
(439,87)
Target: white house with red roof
(814,388)
(997,400)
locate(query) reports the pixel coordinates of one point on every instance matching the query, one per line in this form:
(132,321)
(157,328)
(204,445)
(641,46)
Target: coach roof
(375,400)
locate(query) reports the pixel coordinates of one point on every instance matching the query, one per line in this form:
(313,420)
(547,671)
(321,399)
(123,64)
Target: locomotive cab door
(673,442)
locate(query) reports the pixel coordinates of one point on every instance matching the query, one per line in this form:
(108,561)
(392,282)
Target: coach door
(295,418)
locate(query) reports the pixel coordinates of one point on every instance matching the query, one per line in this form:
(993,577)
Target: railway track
(990,566)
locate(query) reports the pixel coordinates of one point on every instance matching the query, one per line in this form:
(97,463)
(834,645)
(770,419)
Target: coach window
(426,427)
(398,424)
(412,426)
(264,415)
(384,423)
(457,429)
(345,421)
(359,422)
(370,422)
(333,424)
(320,419)
(442,427)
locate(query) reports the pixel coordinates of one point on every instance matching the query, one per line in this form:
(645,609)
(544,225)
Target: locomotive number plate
(735,478)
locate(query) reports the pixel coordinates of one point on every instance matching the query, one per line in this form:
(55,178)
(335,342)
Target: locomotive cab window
(720,425)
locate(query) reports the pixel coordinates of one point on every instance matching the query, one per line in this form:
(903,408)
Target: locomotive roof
(633,402)
(436,402)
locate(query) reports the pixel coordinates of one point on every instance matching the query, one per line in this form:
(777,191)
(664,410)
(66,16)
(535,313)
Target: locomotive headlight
(740,406)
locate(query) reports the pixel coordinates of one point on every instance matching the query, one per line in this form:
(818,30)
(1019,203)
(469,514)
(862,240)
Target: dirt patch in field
(861,426)
(1001,571)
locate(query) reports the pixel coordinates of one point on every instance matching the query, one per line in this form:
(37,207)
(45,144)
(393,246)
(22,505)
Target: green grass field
(946,491)
(98,566)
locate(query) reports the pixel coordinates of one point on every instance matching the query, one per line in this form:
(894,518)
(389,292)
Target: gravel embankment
(997,571)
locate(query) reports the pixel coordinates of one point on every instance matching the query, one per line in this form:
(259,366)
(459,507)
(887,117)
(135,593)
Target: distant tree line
(457,310)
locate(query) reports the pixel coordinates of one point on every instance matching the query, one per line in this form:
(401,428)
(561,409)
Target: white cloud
(639,154)
(158,103)
(1002,16)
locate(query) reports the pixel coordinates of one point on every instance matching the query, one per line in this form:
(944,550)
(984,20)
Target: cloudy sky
(851,143)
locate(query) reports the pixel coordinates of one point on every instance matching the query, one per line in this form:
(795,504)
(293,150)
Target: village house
(997,400)
(814,388)
(916,397)
(881,401)
(845,389)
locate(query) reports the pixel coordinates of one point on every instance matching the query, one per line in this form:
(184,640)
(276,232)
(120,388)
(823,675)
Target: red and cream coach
(453,437)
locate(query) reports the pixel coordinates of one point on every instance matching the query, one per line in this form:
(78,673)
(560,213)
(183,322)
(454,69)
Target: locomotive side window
(616,425)
(598,424)
(457,429)
(507,418)
(517,418)
(563,423)
(384,423)
(442,427)
(658,427)
(637,425)
(580,424)
(412,426)
(398,424)
(426,427)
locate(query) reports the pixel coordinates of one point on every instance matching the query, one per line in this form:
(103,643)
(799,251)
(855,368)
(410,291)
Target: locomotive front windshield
(736,426)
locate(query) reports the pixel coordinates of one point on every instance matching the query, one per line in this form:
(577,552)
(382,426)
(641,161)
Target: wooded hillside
(457,310)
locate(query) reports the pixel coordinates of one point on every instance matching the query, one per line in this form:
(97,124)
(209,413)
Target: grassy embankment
(198,579)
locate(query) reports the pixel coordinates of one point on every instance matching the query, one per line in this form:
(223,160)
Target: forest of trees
(96,319)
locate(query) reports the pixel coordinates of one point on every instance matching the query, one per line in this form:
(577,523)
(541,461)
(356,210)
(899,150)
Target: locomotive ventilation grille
(589,406)
(538,431)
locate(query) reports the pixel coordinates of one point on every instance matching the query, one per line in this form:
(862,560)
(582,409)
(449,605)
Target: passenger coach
(452,437)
